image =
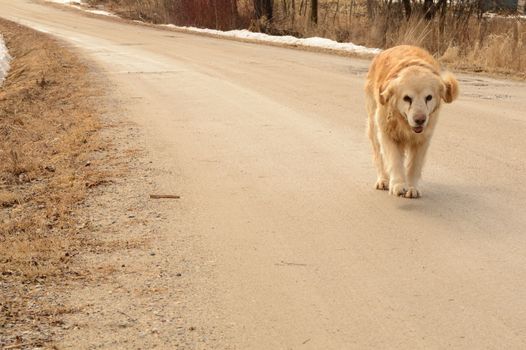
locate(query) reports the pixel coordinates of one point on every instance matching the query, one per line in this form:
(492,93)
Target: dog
(404,90)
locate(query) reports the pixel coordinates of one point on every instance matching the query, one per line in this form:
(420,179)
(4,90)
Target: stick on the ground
(159,196)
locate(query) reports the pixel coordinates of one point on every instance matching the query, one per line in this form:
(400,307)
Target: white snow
(4,60)
(76,3)
(495,15)
(101,12)
(96,12)
(317,42)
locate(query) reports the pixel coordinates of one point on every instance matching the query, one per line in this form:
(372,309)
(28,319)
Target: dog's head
(416,92)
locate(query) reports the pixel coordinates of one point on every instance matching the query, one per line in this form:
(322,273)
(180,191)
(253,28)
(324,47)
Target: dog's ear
(450,90)
(385,92)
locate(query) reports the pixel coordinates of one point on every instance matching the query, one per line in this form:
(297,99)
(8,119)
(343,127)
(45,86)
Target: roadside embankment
(48,128)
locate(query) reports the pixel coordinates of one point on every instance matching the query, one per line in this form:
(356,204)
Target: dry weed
(480,43)
(48,132)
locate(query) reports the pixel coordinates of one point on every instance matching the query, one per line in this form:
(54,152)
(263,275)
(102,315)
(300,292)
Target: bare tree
(293,11)
(235,14)
(263,8)
(314,11)
(429,9)
(370,8)
(285,7)
(407,8)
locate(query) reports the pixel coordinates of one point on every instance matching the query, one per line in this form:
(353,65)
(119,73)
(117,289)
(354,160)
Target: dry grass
(459,35)
(501,51)
(48,133)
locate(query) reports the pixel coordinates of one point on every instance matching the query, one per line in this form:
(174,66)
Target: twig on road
(285,263)
(160,196)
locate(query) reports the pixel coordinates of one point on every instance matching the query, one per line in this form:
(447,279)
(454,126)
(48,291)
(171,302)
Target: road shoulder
(88,259)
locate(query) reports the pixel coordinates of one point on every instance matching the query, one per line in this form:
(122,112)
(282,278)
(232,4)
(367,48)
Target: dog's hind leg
(414,163)
(382,182)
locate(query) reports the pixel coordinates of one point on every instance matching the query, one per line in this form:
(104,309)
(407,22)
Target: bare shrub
(217,14)
(481,42)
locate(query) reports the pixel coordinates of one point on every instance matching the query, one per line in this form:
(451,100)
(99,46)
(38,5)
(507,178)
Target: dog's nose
(420,119)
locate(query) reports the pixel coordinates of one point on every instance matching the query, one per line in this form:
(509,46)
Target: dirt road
(266,147)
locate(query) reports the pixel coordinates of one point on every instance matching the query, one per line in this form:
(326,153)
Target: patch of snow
(495,15)
(101,12)
(76,3)
(317,42)
(4,60)
(322,43)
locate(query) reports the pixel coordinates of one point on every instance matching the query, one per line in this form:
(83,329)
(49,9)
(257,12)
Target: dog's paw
(397,189)
(382,184)
(412,192)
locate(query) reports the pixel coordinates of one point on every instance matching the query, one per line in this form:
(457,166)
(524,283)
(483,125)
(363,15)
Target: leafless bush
(457,30)
(217,14)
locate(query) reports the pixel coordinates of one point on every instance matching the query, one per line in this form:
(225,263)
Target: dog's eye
(429,98)
(408,99)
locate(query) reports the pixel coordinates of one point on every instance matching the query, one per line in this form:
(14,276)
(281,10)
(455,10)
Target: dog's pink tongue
(418,129)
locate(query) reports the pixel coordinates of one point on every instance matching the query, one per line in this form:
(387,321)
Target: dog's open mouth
(418,129)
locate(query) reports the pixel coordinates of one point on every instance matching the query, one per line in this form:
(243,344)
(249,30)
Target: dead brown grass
(458,34)
(48,132)
(502,51)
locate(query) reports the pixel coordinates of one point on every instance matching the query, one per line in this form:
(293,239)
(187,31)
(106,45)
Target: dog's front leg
(414,164)
(382,181)
(393,155)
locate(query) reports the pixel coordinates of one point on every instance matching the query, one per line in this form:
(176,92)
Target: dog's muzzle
(419,120)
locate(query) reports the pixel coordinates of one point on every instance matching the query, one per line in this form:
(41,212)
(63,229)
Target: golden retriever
(404,90)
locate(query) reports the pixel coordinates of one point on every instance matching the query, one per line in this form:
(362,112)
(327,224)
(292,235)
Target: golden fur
(404,90)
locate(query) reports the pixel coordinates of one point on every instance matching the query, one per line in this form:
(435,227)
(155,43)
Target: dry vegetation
(457,32)
(48,134)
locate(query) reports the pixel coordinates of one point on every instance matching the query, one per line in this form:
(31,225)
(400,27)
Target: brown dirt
(66,243)
(48,148)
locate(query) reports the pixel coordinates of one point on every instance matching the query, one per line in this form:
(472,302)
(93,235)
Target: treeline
(230,14)
(236,14)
